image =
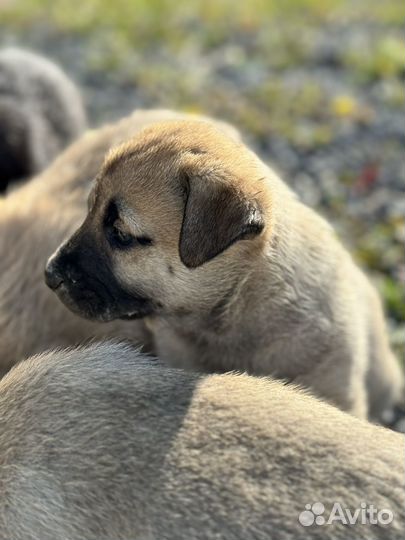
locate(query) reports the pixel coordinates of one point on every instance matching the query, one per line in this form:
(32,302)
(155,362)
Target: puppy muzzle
(53,276)
(86,285)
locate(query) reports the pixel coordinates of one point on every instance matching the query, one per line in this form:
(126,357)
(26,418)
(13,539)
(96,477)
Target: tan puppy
(189,229)
(33,222)
(100,443)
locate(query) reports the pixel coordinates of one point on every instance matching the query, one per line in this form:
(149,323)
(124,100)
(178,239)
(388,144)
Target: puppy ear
(216,215)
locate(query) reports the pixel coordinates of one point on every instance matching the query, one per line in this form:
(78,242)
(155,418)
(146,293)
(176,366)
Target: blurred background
(316,86)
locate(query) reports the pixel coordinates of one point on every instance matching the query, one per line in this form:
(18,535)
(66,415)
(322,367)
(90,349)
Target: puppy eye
(144,240)
(122,240)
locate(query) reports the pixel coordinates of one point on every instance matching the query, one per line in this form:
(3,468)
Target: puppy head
(175,216)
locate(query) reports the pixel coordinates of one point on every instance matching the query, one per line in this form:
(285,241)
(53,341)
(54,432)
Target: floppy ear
(216,215)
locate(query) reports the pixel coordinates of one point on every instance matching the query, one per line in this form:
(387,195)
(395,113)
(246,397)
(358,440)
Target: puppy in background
(41,112)
(190,231)
(34,220)
(140,451)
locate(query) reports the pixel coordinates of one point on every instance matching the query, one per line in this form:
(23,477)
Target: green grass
(384,59)
(143,21)
(121,26)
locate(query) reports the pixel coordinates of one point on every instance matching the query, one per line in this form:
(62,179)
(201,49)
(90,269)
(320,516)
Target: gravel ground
(323,105)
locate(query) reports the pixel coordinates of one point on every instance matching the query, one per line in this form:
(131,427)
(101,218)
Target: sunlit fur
(103,443)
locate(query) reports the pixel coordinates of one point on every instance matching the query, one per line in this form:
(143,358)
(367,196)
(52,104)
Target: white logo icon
(312,514)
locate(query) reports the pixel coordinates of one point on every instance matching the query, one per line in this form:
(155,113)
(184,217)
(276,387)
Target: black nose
(53,278)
